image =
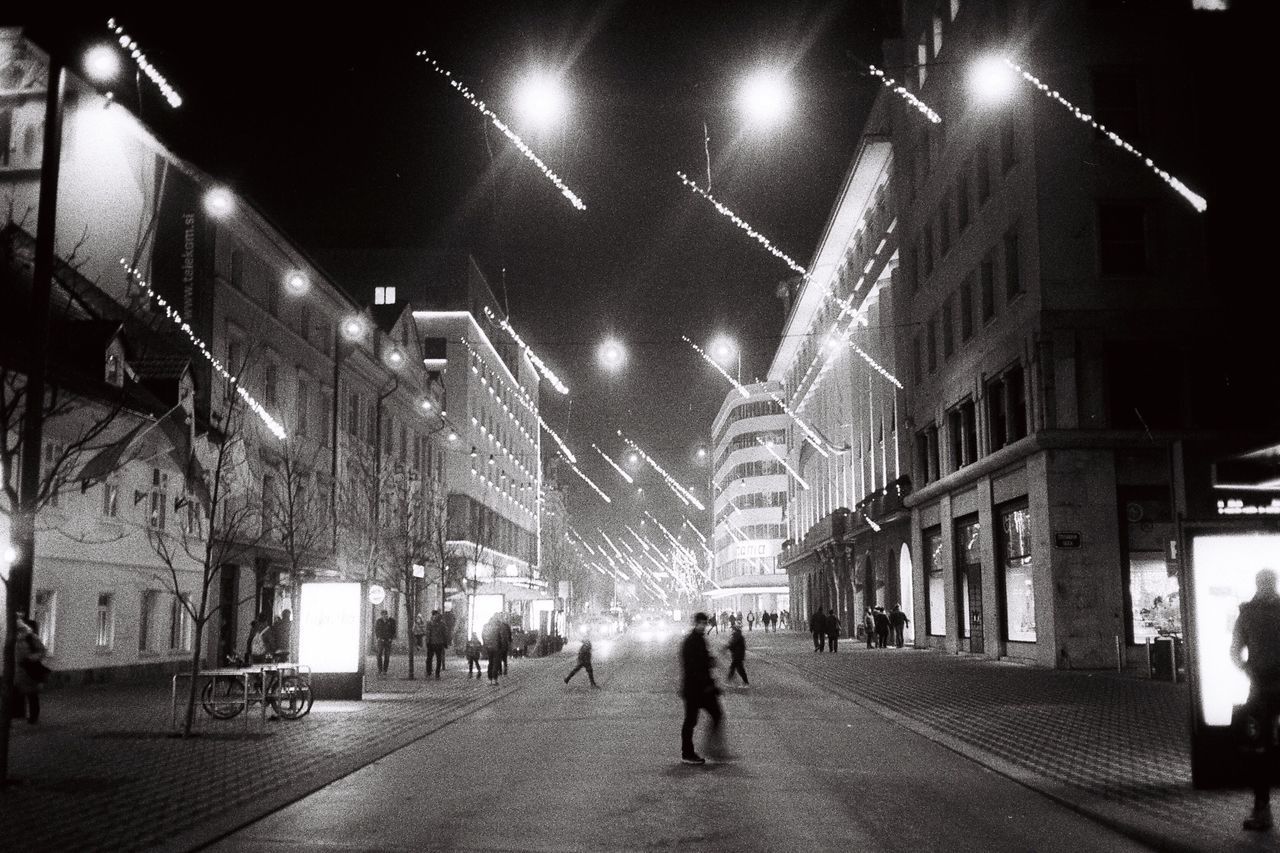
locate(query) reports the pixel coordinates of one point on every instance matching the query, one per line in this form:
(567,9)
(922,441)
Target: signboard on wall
(329,626)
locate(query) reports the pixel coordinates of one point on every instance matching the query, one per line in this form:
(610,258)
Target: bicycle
(288,692)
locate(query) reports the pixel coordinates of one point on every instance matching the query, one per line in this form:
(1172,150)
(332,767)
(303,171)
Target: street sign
(419,571)
(377,594)
(1066,539)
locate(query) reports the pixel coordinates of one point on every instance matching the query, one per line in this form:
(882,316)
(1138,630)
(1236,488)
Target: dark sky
(337,132)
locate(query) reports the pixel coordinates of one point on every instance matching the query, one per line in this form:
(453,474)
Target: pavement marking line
(1028,778)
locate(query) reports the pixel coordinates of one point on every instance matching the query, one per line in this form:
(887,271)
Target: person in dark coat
(584,662)
(384,631)
(869,627)
(437,635)
(832,623)
(1255,648)
(898,621)
(737,656)
(818,625)
(29,672)
(473,649)
(882,627)
(697,688)
(282,636)
(504,642)
(491,634)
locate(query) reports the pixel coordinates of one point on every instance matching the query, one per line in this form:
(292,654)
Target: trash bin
(1164,659)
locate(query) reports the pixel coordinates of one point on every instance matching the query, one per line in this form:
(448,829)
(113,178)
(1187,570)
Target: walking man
(491,634)
(899,621)
(1257,631)
(504,642)
(869,627)
(818,625)
(437,634)
(384,631)
(882,627)
(473,649)
(751,620)
(832,624)
(584,662)
(737,655)
(698,688)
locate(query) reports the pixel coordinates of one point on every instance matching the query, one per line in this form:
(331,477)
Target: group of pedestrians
(877,624)
(269,639)
(825,627)
(768,620)
(493,641)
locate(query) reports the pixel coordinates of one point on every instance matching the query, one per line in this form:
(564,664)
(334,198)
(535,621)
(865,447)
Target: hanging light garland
(1196,200)
(170,94)
(785,464)
(506,131)
(906,95)
(696,531)
(615,465)
(876,366)
(277,429)
(587,480)
(533,356)
(746,395)
(681,492)
(744,225)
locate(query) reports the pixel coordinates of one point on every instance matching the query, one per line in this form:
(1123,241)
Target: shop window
(106,621)
(44,613)
(936,610)
(1006,409)
(1013,287)
(987,279)
(1016,566)
(1122,239)
(966,309)
(968,565)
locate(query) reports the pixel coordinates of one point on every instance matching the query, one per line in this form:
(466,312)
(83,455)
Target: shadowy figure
(832,623)
(818,625)
(697,688)
(492,635)
(437,635)
(384,630)
(882,627)
(584,662)
(898,621)
(737,656)
(472,650)
(869,627)
(1257,633)
(29,672)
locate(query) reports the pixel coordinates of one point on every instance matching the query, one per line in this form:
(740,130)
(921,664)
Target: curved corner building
(750,487)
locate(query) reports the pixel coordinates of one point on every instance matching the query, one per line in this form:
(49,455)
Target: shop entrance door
(974,573)
(969,586)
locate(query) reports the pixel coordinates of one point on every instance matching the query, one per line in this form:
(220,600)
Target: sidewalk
(100,771)
(1113,746)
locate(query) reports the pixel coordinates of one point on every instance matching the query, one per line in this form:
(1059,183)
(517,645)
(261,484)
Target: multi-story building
(749,437)
(358,408)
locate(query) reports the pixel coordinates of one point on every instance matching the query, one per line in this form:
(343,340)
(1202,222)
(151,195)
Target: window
(147,618)
(944,225)
(271,384)
(1006,409)
(922,60)
(237,268)
(987,277)
(159,499)
(983,175)
(1008,149)
(181,631)
(1122,244)
(44,613)
(1012,269)
(113,374)
(1117,103)
(962,435)
(948,327)
(384,296)
(931,442)
(931,331)
(1016,565)
(106,621)
(936,612)
(966,309)
(111,497)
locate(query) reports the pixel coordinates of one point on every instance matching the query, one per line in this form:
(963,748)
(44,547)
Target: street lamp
(611,354)
(219,202)
(725,351)
(991,80)
(297,283)
(542,99)
(765,98)
(102,63)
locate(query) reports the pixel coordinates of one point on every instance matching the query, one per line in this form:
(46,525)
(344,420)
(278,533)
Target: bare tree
(407,540)
(224,524)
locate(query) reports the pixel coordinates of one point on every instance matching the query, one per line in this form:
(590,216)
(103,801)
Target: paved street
(896,749)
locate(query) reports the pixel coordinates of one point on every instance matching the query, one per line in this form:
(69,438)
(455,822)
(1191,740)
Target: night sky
(333,128)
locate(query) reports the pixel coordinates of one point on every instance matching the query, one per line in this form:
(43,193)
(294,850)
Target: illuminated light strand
(1196,200)
(277,429)
(533,356)
(528,404)
(903,92)
(871,522)
(744,225)
(746,395)
(818,442)
(696,531)
(615,465)
(587,480)
(878,368)
(644,543)
(785,464)
(681,492)
(611,544)
(506,131)
(170,94)
(674,541)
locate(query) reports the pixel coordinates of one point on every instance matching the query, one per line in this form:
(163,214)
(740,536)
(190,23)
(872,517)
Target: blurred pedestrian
(882,626)
(832,623)
(584,662)
(898,621)
(737,656)
(751,620)
(818,625)
(1255,648)
(282,636)
(437,637)
(472,650)
(420,631)
(259,645)
(384,631)
(491,634)
(504,641)
(869,627)
(715,626)
(697,688)
(29,672)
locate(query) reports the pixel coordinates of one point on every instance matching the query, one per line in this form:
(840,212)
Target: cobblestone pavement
(1113,746)
(101,771)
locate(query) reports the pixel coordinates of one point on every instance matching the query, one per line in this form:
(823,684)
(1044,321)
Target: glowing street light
(612,354)
(765,98)
(102,63)
(991,80)
(297,283)
(393,358)
(633,458)
(353,328)
(542,99)
(219,202)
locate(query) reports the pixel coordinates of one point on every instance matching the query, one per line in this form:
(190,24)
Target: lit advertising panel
(482,607)
(329,626)
(1223,577)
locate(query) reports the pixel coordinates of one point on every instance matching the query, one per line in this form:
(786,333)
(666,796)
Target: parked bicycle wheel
(223,698)
(293,700)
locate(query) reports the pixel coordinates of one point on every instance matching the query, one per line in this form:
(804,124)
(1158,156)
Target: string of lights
(153,74)
(587,480)
(696,531)
(818,442)
(1196,200)
(615,465)
(906,95)
(277,429)
(711,361)
(785,464)
(506,131)
(533,356)
(744,225)
(876,366)
(681,492)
